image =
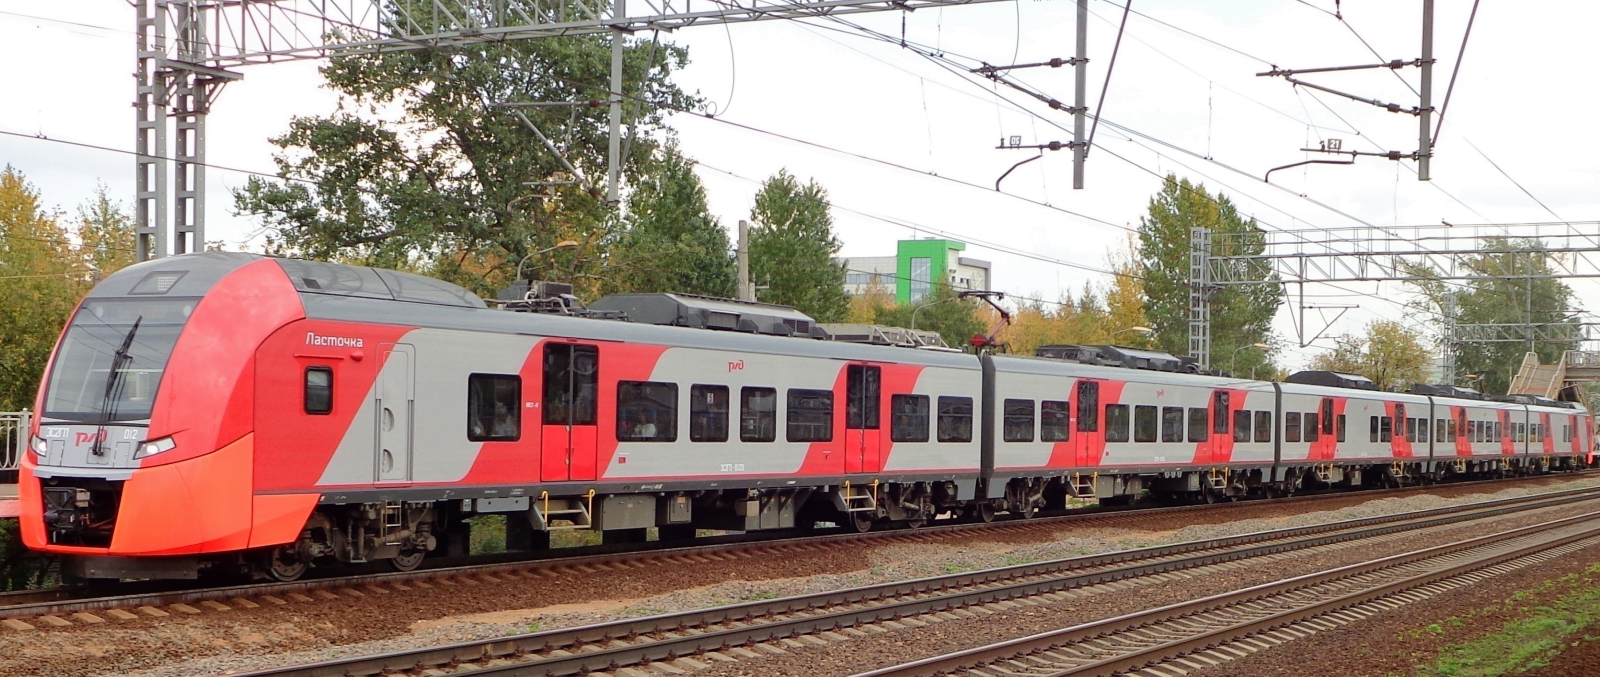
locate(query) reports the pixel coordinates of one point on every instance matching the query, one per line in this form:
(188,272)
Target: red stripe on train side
(1399,447)
(1326,447)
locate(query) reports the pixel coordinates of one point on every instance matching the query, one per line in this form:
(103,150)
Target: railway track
(1204,633)
(695,638)
(59,606)
(65,606)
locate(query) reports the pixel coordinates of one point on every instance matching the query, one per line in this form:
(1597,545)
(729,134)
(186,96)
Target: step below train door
(570,433)
(394,405)
(863,395)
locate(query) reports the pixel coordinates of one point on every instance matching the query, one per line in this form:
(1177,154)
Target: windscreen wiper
(108,402)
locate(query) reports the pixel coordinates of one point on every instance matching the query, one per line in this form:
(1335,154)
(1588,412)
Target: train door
(862,435)
(1090,445)
(396,395)
(570,439)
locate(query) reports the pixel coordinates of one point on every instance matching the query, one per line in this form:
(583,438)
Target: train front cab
(140,459)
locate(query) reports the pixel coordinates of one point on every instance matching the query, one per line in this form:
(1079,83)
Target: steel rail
(1104,631)
(700,631)
(56,601)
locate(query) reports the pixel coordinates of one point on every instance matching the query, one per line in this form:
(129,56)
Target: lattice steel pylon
(1200,297)
(179,79)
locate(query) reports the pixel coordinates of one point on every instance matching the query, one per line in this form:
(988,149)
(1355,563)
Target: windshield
(111,360)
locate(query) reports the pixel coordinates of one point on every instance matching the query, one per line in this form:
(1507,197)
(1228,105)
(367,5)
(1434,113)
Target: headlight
(153,447)
(41,446)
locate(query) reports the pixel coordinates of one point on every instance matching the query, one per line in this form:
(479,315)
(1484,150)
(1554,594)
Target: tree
(39,286)
(792,249)
(1240,315)
(1512,283)
(105,233)
(672,243)
(956,319)
(1391,355)
(418,169)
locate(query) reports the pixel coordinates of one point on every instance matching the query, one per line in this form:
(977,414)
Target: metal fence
(13,437)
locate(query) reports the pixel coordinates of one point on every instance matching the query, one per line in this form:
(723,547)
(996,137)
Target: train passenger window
(494,407)
(1146,424)
(1172,424)
(1385,429)
(1311,428)
(708,413)
(758,414)
(1263,426)
(955,419)
(1054,425)
(1088,406)
(1495,432)
(861,397)
(1422,430)
(318,396)
(1411,430)
(908,418)
(1341,428)
(1291,426)
(1018,421)
(1219,412)
(1116,423)
(1327,416)
(1373,428)
(1477,431)
(1241,425)
(571,384)
(647,411)
(1197,424)
(810,416)
(1438,430)
(1450,424)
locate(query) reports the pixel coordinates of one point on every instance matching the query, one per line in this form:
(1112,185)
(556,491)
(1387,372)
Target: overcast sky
(1524,98)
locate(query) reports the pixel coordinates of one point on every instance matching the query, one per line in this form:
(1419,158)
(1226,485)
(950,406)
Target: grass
(1524,643)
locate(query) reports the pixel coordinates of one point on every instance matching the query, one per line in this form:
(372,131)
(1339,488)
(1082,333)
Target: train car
(233,413)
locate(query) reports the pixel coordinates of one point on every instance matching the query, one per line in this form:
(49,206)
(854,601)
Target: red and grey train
(224,410)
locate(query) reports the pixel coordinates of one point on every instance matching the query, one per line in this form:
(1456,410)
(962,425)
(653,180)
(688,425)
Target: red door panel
(553,458)
(585,447)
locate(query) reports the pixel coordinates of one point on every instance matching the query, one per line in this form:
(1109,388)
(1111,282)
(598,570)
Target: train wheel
(284,564)
(861,521)
(407,561)
(982,512)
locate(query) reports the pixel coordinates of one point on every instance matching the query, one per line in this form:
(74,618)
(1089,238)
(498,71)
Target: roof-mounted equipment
(1332,379)
(707,312)
(555,298)
(879,335)
(1445,390)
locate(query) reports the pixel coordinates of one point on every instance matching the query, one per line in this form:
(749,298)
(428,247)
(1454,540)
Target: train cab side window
(1341,429)
(758,414)
(1219,412)
(318,395)
(494,408)
(908,420)
(1263,426)
(1291,426)
(955,419)
(1088,406)
(1241,425)
(1018,421)
(1172,424)
(810,416)
(1197,424)
(647,411)
(1146,423)
(708,413)
(1116,423)
(1311,428)
(1054,421)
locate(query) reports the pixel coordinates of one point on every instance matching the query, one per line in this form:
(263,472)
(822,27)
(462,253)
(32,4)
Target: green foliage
(1240,315)
(1389,354)
(40,283)
(105,233)
(671,243)
(792,249)
(417,169)
(21,568)
(1510,284)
